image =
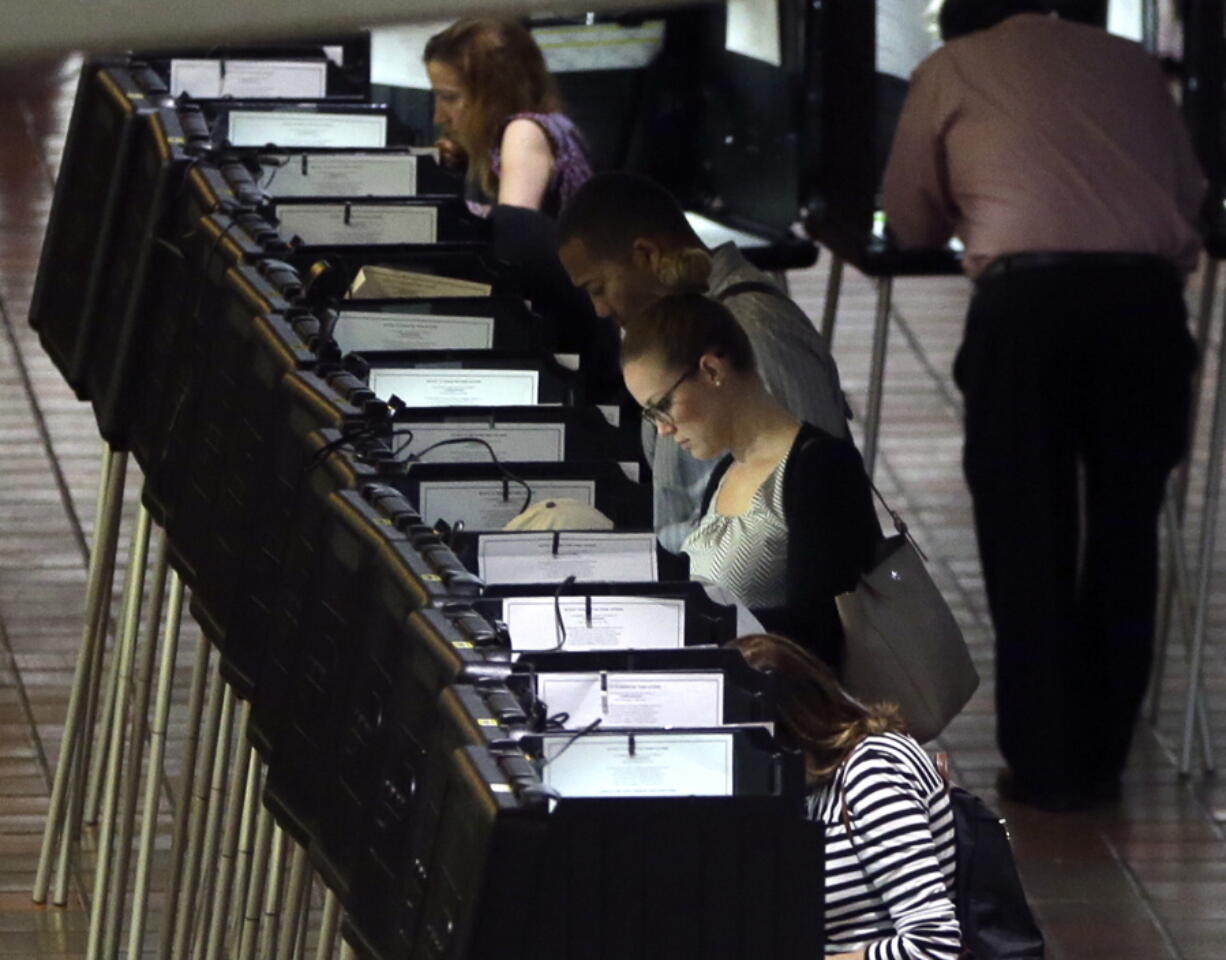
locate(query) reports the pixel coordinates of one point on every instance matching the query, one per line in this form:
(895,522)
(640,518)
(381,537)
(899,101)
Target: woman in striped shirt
(889,826)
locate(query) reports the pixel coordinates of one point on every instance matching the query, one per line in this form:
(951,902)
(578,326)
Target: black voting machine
(288,361)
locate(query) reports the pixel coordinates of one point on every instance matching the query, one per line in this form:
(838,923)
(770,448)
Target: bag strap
(899,524)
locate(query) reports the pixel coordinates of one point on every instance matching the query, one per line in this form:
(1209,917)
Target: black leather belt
(1022,262)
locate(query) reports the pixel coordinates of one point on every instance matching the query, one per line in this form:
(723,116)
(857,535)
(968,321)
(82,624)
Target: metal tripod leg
(876,376)
(220,697)
(246,843)
(1204,573)
(830,309)
(97,601)
(153,776)
(329,920)
(246,769)
(273,894)
(1183,604)
(250,929)
(1182,477)
(296,891)
(213,823)
(136,751)
(179,843)
(125,654)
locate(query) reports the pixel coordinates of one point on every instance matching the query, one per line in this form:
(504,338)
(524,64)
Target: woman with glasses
(788,520)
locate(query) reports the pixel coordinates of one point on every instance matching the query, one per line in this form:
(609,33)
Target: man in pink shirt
(1056,154)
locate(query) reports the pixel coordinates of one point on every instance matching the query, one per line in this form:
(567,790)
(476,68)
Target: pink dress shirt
(1041,135)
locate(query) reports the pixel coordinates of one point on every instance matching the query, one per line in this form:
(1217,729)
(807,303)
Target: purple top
(571,168)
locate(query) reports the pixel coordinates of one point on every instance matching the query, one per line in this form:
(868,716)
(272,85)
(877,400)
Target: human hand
(857,955)
(450,153)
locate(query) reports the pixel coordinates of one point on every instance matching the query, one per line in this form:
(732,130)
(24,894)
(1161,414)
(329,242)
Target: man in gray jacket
(625,242)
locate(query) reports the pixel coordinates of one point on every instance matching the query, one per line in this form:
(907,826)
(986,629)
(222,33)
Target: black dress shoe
(1053,797)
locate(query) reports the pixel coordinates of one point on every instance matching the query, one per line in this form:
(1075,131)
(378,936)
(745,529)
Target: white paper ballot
(301,128)
(254,79)
(382,283)
(714,234)
(340,175)
(530,557)
(357,331)
(539,442)
(618,623)
(752,29)
(635,699)
(659,765)
(481,504)
(430,387)
(358,223)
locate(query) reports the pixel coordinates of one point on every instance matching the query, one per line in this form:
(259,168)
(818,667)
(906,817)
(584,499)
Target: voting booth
(615,877)
(341,385)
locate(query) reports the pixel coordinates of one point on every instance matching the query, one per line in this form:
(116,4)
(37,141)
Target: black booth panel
(216,243)
(731,878)
(85,210)
(310,402)
(116,357)
(388,898)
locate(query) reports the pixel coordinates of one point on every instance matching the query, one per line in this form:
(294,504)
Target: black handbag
(903,644)
(994,917)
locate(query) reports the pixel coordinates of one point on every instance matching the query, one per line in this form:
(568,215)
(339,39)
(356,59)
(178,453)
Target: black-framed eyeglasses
(657,412)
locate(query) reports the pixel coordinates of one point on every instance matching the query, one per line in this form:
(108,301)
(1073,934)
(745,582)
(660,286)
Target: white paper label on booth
(340,175)
(429,387)
(396,53)
(618,623)
(251,79)
(481,504)
(599,46)
(539,442)
(657,765)
(752,29)
(358,223)
(635,698)
(530,557)
(306,128)
(371,330)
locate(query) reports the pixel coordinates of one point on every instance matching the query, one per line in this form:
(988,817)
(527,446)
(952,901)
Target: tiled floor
(1143,879)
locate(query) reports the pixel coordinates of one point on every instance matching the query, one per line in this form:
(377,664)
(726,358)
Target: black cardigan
(832,536)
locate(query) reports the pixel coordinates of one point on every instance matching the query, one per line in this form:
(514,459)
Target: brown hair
(813,713)
(502,73)
(682,327)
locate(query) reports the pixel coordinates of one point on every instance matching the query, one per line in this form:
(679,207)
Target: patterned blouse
(571,167)
(746,554)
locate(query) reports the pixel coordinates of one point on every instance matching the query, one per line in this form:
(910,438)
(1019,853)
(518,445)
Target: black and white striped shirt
(890,886)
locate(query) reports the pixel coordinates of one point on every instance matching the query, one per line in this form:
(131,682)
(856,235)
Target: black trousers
(1076,374)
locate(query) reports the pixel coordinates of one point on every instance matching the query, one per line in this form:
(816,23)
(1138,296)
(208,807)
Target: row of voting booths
(340,385)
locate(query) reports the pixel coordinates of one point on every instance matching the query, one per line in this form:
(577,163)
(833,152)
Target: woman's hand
(857,955)
(451,154)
